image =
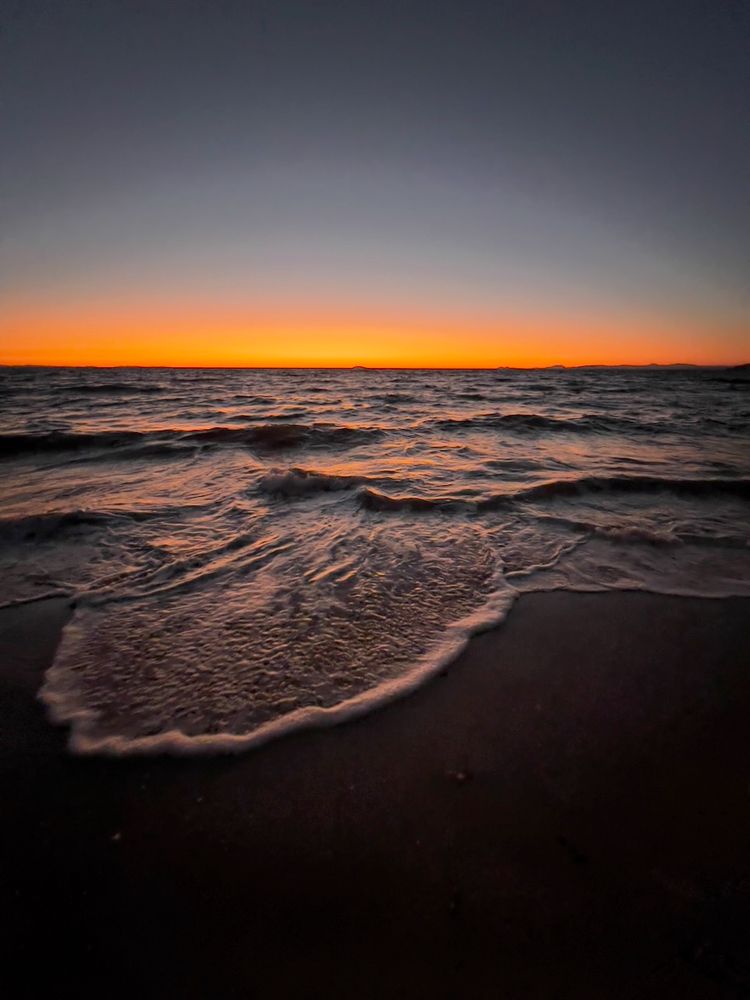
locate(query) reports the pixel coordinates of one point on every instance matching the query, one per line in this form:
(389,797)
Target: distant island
(679,365)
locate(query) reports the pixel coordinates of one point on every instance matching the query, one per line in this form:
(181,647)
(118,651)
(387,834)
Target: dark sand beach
(564,813)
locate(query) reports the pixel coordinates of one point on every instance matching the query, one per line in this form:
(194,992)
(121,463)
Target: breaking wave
(302,482)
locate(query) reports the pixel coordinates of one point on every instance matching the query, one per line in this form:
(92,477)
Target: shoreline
(565,817)
(454,640)
(174,743)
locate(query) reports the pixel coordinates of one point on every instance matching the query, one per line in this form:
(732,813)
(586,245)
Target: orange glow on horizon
(210,337)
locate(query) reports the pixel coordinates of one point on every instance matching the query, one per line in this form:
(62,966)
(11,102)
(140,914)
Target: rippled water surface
(255,550)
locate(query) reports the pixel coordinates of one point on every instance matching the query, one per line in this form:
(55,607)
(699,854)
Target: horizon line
(356,367)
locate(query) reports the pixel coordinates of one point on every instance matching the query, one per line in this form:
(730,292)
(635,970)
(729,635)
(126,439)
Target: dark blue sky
(465,157)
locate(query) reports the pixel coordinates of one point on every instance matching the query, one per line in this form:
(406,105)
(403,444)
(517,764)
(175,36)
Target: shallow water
(256,550)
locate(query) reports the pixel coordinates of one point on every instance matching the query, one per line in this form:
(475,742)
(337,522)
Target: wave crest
(632,484)
(38,527)
(302,482)
(371,499)
(107,389)
(740,488)
(537,422)
(13,445)
(284,435)
(267,437)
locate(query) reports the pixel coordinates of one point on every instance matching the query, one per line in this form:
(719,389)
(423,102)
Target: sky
(452,183)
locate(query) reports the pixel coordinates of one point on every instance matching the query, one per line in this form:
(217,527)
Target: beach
(375,500)
(563,812)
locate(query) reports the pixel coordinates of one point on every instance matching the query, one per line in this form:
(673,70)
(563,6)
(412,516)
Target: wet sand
(564,813)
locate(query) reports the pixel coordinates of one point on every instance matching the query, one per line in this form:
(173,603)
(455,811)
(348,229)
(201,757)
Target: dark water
(256,550)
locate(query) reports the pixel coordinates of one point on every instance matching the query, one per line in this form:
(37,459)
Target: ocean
(254,551)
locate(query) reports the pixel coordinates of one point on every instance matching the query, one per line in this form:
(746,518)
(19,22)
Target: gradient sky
(449,182)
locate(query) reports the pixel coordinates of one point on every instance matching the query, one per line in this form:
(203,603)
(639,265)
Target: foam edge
(173,742)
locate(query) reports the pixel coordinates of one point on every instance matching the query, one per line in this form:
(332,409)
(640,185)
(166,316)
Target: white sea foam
(61,699)
(323,629)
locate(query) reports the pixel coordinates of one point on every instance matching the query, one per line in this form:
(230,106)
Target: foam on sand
(61,699)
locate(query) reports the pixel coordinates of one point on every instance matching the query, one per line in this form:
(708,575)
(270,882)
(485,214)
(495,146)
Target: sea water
(251,551)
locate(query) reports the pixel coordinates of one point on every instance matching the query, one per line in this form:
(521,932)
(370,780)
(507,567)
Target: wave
(106,389)
(13,445)
(623,532)
(302,482)
(156,449)
(185,574)
(514,421)
(662,537)
(399,397)
(39,527)
(250,418)
(371,499)
(254,400)
(739,425)
(268,436)
(628,484)
(277,436)
(538,422)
